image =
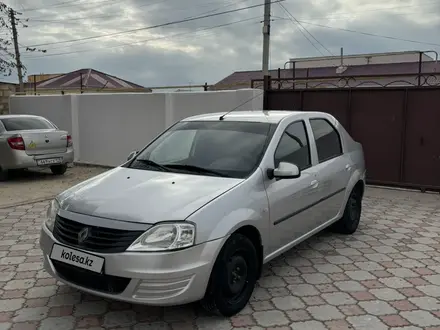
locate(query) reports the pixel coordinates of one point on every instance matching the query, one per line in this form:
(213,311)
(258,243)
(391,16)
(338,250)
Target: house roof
(90,79)
(362,55)
(8,83)
(242,79)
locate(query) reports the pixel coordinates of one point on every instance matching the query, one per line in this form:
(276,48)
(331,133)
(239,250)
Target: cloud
(196,52)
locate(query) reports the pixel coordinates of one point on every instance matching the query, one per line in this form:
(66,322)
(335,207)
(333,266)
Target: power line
(97,4)
(233,3)
(350,14)
(55,5)
(203,13)
(183,34)
(65,4)
(288,13)
(372,34)
(292,18)
(149,40)
(79,20)
(41,18)
(310,41)
(152,26)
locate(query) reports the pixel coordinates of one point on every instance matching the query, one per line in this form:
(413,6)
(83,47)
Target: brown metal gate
(399,128)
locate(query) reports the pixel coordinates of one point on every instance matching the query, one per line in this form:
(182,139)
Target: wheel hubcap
(237,274)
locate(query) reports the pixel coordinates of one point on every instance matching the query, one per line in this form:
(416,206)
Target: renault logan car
(28,141)
(197,212)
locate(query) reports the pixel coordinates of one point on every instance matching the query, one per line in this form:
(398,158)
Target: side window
(328,141)
(294,146)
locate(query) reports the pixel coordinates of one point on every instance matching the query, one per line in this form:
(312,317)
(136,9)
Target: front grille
(99,239)
(91,280)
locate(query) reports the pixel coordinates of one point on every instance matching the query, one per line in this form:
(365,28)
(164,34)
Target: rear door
(40,136)
(334,168)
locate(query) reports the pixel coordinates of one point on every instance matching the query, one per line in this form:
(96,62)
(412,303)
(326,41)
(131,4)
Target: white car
(197,212)
(28,141)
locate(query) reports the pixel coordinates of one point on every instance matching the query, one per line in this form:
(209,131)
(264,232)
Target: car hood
(143,196)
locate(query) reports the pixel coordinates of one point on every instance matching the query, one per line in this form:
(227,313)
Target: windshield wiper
(196,169)
(153,164)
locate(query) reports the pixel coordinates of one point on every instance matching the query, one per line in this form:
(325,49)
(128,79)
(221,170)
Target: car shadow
(29,175)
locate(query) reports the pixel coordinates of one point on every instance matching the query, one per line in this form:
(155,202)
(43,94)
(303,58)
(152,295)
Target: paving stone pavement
(39,184)
(385,276)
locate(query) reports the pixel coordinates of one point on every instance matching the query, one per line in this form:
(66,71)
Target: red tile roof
(90,79)
(242,79)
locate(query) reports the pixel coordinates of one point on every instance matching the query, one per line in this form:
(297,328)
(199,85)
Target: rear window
(25,123)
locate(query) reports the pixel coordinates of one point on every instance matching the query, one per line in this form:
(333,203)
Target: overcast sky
(199,51)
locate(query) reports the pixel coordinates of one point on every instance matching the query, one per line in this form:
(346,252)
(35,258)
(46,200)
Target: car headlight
(165,237)
(51,214)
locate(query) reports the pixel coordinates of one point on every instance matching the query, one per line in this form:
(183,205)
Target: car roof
(18,116)
(260,116)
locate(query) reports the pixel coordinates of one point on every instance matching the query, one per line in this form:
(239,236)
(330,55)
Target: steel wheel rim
(237,270)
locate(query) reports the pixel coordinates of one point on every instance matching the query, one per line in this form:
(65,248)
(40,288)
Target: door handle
(348,167)
(314,183)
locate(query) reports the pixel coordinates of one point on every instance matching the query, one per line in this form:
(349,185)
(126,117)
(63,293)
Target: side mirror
(131,155)
(286,171)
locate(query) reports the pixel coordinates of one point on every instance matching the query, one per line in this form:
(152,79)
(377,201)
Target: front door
(290,199)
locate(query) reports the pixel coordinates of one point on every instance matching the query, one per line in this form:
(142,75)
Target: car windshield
(218,148)
(25,123)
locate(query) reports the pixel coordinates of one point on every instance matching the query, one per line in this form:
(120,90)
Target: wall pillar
(74,111)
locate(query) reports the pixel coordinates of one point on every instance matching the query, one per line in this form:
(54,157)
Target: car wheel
(59,169)
(3,175)
(233,277)
(352,214)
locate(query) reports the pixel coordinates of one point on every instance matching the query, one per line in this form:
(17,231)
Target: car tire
(3,175)
(349,222)
(59,169)
(233,277)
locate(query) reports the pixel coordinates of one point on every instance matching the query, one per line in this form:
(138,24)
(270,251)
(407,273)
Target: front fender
(244,205)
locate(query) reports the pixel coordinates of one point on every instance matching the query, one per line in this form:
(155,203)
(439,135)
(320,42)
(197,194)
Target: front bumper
(161,279)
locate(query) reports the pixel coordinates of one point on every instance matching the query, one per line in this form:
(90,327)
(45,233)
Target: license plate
(77,258)
(49,161)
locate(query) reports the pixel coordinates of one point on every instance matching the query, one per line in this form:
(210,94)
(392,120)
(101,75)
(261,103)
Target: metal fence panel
(399,128)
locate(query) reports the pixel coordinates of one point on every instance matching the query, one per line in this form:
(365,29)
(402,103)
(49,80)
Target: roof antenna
(223,116)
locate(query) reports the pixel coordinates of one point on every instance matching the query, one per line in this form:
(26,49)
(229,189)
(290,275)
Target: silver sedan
(28,141)
(197,212)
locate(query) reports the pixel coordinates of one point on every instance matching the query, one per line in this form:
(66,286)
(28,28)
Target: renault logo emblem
(83,234)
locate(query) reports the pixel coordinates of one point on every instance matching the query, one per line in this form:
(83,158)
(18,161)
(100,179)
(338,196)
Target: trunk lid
(44,141)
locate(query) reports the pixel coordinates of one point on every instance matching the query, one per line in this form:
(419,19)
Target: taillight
(16,142)
(69,141)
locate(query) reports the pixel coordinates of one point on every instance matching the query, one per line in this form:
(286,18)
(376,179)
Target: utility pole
(266,37)
(266,43)
(17,50)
